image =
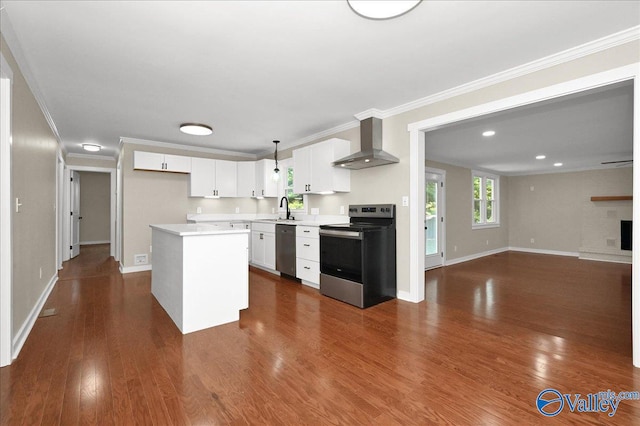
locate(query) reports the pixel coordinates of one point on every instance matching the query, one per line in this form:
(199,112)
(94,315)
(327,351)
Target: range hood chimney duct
(371,153)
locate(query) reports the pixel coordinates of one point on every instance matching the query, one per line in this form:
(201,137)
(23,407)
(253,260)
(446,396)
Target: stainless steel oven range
(358,259)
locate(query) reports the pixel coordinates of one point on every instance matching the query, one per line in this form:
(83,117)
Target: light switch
(405,201)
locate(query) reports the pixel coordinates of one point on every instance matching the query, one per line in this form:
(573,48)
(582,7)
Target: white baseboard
(23,333)
(404,295)
(89,243)
(130,269)
(310,284)
(542,251)
(605,258)
(474,256)
(265,269)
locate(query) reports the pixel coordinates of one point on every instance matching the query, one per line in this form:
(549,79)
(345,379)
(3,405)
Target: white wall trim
(443,214)
(417,166)
(6,226)
(158,144)
(16,49)
(543,251)
(475,256)
(90,243)
(91,156)
(27,326)
(404,295)
(131,269)
(112,206)
(596,259)
(568,55)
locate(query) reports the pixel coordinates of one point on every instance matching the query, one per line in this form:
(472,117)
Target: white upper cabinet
(212,178)
(246,179)
(265,185)
(161,162)
(313,169)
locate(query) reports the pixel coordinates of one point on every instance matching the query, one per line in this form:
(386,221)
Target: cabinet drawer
(307,231)
(308,248)
(308,271)
(263,227)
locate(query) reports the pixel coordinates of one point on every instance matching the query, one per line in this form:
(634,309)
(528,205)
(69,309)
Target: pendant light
(276,171)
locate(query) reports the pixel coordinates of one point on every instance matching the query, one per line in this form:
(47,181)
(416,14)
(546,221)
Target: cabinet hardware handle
(306,267)
(307,245)
(261,236)
(253,193)
(306,231)
(263,192)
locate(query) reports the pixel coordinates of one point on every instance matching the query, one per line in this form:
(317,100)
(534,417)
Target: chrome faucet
(286,200)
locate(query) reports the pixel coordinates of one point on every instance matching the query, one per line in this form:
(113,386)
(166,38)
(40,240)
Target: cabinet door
(270,251)
(177,164)
(257,247)
(301,170)
(321,168)
(202,179)
(246,176)
(148,161)
(265,185)
(226,178)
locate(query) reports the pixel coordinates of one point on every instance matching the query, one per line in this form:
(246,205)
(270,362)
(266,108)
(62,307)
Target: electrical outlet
(341,209)
(315,211)
(405,201)
(531,188)
(487,242)
(237,209)
(273,210)
(140,259)
(41,272)
(198,210)
(150,249)
(533,241)
(455,248)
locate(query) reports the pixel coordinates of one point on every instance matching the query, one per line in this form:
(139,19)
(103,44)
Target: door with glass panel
(434,220)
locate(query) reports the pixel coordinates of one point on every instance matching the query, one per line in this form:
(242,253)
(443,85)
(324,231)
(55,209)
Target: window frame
(484,176)
(284,165)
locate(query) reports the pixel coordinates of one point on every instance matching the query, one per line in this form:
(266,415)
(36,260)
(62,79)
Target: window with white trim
(297,202)
(486,202)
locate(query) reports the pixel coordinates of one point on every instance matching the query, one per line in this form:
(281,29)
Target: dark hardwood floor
(492,334)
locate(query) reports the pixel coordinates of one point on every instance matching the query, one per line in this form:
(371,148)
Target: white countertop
(304,220)
(189,229)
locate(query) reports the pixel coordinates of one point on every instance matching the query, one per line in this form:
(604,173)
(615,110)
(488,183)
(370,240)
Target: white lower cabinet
(263,245)
(308,255)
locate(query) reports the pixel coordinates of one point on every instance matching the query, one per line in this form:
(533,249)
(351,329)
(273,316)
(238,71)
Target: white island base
(200,274)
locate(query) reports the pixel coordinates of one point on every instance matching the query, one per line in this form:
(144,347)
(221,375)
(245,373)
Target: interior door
(75,214)
(434,220)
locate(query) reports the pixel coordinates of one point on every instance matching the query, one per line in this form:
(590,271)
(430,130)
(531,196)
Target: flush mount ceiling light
(540,157)
(91,147)
(382,9)
(488,133)
(196,129)
(276,171)
(557,164)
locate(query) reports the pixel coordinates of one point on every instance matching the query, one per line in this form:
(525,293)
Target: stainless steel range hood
(371,153)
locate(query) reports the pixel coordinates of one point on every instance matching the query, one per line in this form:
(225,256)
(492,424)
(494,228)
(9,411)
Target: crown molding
(607,42)
(18,54)
(91,156)
(134,141)
(372,112)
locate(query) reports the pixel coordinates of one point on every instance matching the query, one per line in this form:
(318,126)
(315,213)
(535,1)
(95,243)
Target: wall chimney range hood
(371,153)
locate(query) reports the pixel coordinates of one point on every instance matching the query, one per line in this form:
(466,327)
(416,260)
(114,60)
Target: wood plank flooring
(491,335)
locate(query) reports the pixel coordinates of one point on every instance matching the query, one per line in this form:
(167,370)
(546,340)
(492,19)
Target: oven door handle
(354,235)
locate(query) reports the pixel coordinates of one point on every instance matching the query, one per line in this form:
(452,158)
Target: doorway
(434,218)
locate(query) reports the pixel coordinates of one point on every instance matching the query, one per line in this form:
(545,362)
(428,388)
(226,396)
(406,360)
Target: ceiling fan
(619,163)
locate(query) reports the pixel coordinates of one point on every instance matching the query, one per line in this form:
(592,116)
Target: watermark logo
(550,402)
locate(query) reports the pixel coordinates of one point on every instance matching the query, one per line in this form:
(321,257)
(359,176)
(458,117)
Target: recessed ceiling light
(540,157)
(557,164)
(488,133)
(91,147)
(382,9)
(196,129)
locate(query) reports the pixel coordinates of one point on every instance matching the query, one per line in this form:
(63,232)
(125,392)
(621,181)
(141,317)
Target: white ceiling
(258,71)
(580,131)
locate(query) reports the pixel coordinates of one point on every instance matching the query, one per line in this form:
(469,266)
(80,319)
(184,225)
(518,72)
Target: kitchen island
(200,273)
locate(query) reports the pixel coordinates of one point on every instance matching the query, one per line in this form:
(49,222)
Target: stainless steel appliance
(286,249)
(358,259)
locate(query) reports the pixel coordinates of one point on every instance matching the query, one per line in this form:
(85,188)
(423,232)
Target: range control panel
(373,210)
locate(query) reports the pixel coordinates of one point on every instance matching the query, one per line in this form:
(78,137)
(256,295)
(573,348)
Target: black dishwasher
(286,249)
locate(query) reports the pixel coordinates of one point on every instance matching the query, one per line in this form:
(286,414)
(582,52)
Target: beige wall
(160,197)
(461,239)
(556,211)
(107,163)
(34,152)
(95,204)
